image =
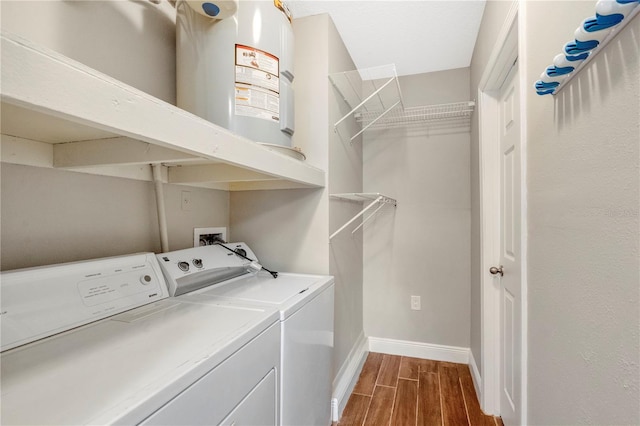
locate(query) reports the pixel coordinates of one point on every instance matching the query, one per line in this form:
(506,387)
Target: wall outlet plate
(208,236)
(415,303)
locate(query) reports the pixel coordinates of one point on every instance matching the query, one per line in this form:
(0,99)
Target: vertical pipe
(162,218)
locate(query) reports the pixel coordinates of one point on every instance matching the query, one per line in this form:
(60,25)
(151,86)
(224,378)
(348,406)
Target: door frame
(506,50)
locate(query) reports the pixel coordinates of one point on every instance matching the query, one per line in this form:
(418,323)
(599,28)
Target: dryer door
(259,407)
(240,381)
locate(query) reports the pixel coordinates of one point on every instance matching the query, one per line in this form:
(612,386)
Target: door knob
(495,271)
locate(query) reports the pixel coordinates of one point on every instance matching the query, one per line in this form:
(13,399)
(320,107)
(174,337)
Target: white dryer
(100,342)
(218,274)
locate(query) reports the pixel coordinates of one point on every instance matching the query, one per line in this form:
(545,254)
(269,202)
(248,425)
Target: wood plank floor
(395,390)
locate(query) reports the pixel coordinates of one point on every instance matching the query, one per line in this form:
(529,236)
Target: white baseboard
(347,377)
(419,350)
(475,375)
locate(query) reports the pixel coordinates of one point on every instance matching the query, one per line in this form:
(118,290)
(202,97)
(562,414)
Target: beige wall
(287,229)
(132,41)
(584,265)
(421,247)
(493,17)
(53,216)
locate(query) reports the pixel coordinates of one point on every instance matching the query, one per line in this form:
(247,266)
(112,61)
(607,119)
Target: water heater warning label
(257,84)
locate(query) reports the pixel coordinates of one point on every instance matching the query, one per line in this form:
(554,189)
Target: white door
(510,253)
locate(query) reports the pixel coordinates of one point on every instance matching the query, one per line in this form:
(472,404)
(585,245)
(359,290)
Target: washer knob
(197,263)
(183,266)
(145,279)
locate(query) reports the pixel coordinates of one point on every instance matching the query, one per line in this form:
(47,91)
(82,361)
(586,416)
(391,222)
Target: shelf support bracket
(374,121)
(363,102)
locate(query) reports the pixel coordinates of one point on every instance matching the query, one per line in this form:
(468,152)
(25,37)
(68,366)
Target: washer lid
(262,288)
(288,292)
(122,369)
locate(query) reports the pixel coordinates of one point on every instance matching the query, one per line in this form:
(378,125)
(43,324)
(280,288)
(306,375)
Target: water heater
(235,66)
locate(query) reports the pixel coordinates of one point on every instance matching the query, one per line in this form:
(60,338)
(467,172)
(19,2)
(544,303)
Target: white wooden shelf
(374,199)
(61,113)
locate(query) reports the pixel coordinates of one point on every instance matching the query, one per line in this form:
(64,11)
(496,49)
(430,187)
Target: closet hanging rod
(366,219)
(375,198)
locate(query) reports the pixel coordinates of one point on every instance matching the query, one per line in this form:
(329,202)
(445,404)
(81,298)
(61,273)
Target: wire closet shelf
(398,117)
(374,99)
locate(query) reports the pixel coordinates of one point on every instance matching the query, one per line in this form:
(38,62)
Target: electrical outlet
(208,236)
(415,303)
(186,201)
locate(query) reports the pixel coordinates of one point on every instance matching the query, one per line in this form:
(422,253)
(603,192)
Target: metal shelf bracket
(371,90)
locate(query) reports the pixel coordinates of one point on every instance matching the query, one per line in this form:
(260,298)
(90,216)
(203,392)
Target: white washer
(67,359)
(305,303)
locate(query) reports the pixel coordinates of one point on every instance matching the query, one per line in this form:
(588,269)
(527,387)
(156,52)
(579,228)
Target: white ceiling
(416,36)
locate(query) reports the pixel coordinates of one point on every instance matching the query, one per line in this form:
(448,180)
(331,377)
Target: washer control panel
(40,302)
(186,266)
(189,269)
